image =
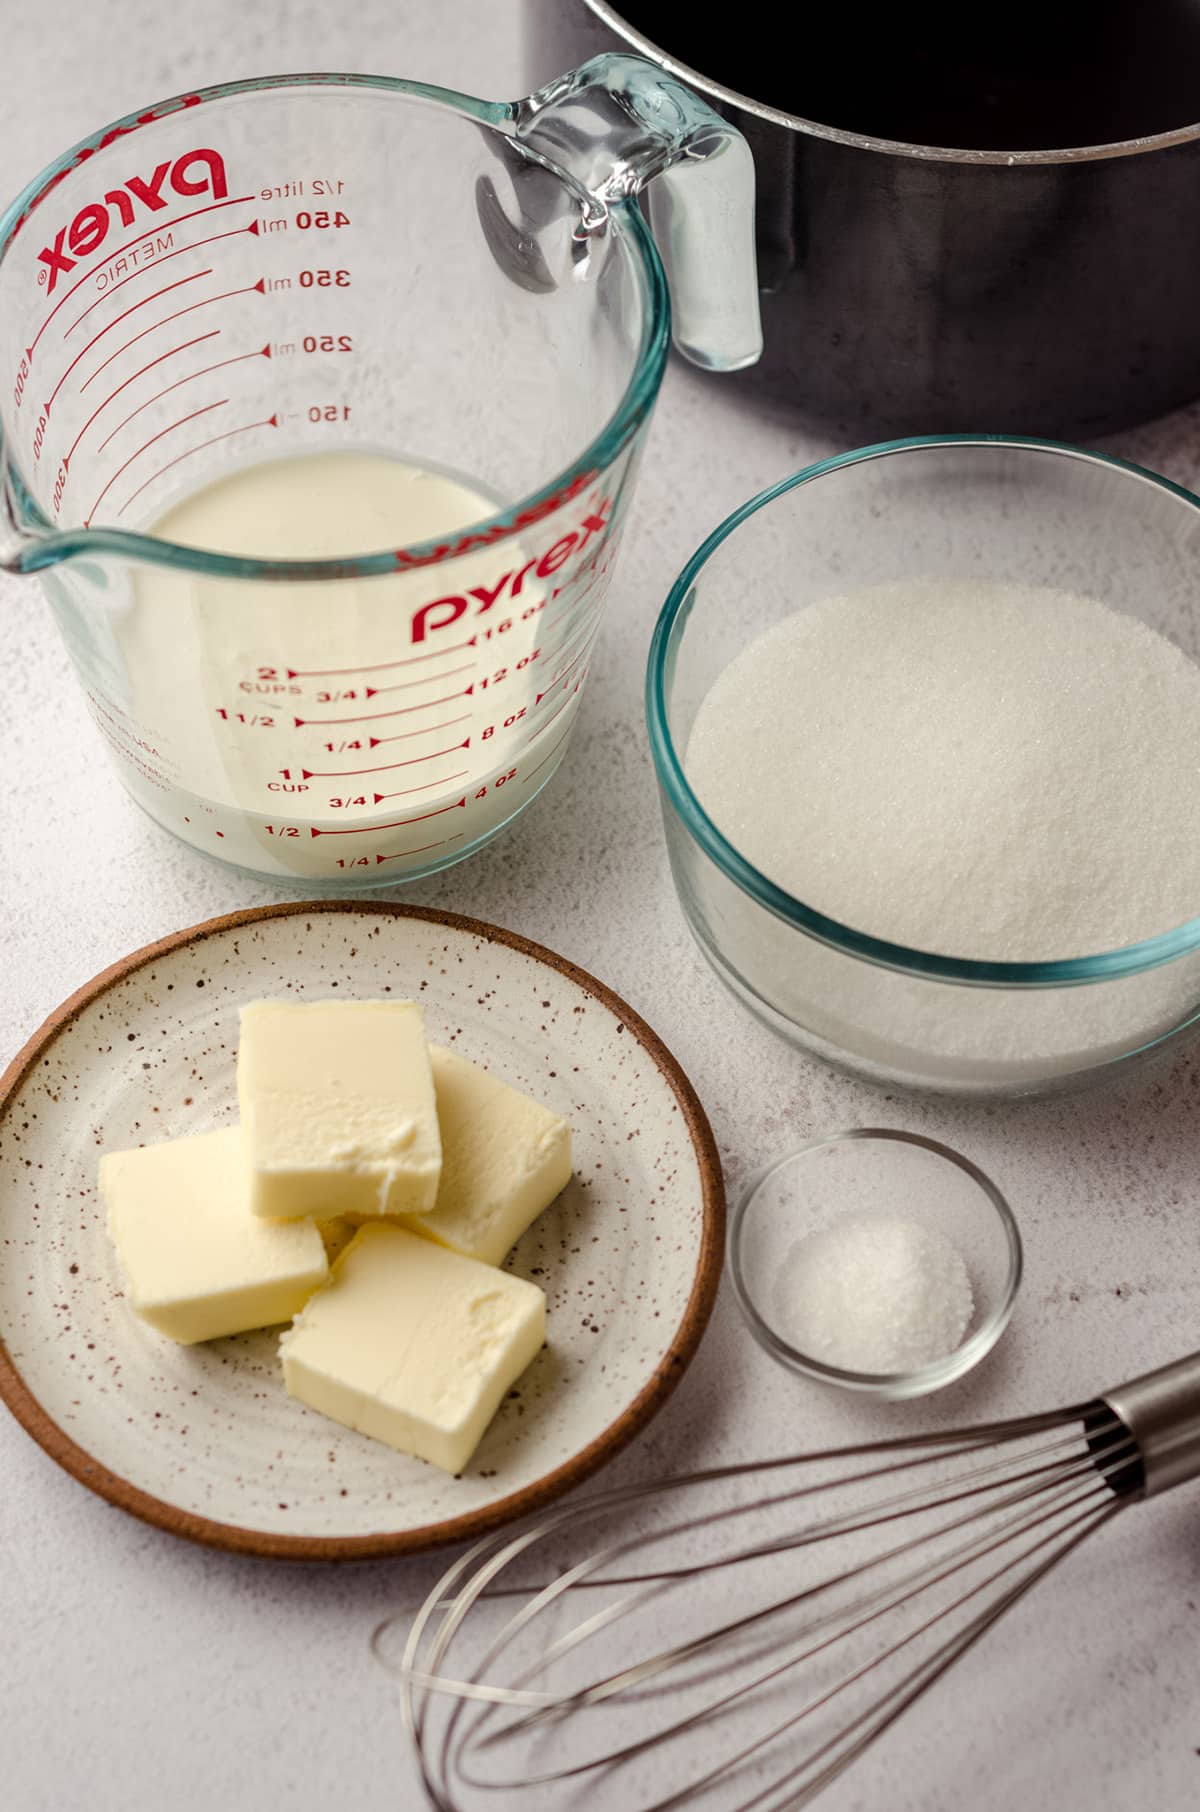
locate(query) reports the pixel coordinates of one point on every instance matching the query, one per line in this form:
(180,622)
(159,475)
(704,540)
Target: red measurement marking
(421,847)
(189,310)
(87,521)
(67,458)
(258,353)
(583,652)
(565,673)
(164,258)
(563,706)
(572,604)
(270,421)
(431,679)
(574,630)
(553,619)
(357,830)
(448,723)
(406,792)
(552,658)
(116,318)
(158,227)
(342,672)
(570,613)
(349,773)
(374,717)
(541,764)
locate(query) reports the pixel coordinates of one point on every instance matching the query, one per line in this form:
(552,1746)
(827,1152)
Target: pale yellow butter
(504,1159)
(412,1344)
(338,1108)
(197,1263)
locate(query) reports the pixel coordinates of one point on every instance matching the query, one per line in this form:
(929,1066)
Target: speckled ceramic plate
(203,1440)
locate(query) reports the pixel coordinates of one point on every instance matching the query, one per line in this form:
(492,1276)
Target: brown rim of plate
(15,1393)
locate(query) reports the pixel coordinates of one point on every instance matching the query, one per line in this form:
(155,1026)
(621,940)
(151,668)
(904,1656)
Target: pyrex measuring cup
(319,264)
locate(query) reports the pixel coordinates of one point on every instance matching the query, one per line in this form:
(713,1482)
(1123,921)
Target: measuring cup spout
(27,543)
(618,125)
(13,540)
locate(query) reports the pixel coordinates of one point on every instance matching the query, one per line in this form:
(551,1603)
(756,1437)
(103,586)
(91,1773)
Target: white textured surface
(135,1670)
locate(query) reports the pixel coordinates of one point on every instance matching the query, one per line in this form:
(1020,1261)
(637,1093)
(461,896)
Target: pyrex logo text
(444,611)
(197,172)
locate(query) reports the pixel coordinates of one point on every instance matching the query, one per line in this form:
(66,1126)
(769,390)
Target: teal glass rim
(1107,965)
(43,545)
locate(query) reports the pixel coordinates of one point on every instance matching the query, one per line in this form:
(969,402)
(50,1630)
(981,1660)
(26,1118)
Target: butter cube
(197,1263)
(504,1159)
(412,1344)
(338,1108)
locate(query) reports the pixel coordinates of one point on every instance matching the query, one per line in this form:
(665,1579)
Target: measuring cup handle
(618,124)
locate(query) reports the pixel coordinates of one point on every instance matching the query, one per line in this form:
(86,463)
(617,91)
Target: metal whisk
(794,1618)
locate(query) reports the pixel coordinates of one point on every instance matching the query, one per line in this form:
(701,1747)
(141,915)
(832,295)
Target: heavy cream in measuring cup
(378,724)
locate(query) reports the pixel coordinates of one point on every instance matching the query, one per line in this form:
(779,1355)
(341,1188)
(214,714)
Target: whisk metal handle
(1162,1413)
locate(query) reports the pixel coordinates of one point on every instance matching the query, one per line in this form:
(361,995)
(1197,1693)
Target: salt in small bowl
(872,1172)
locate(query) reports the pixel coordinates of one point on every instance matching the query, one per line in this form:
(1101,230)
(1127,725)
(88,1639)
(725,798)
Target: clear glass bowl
(993,508)
(872,1172)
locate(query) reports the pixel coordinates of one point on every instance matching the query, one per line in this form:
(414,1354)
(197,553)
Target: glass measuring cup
(322,264)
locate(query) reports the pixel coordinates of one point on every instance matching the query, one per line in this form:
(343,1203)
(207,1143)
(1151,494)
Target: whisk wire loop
(873,1606)
(932,1538)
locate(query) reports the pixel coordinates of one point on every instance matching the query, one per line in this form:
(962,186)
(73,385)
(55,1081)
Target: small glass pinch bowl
(872,1173)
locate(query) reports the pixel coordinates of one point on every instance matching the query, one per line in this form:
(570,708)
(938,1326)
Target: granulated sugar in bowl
(927,725)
